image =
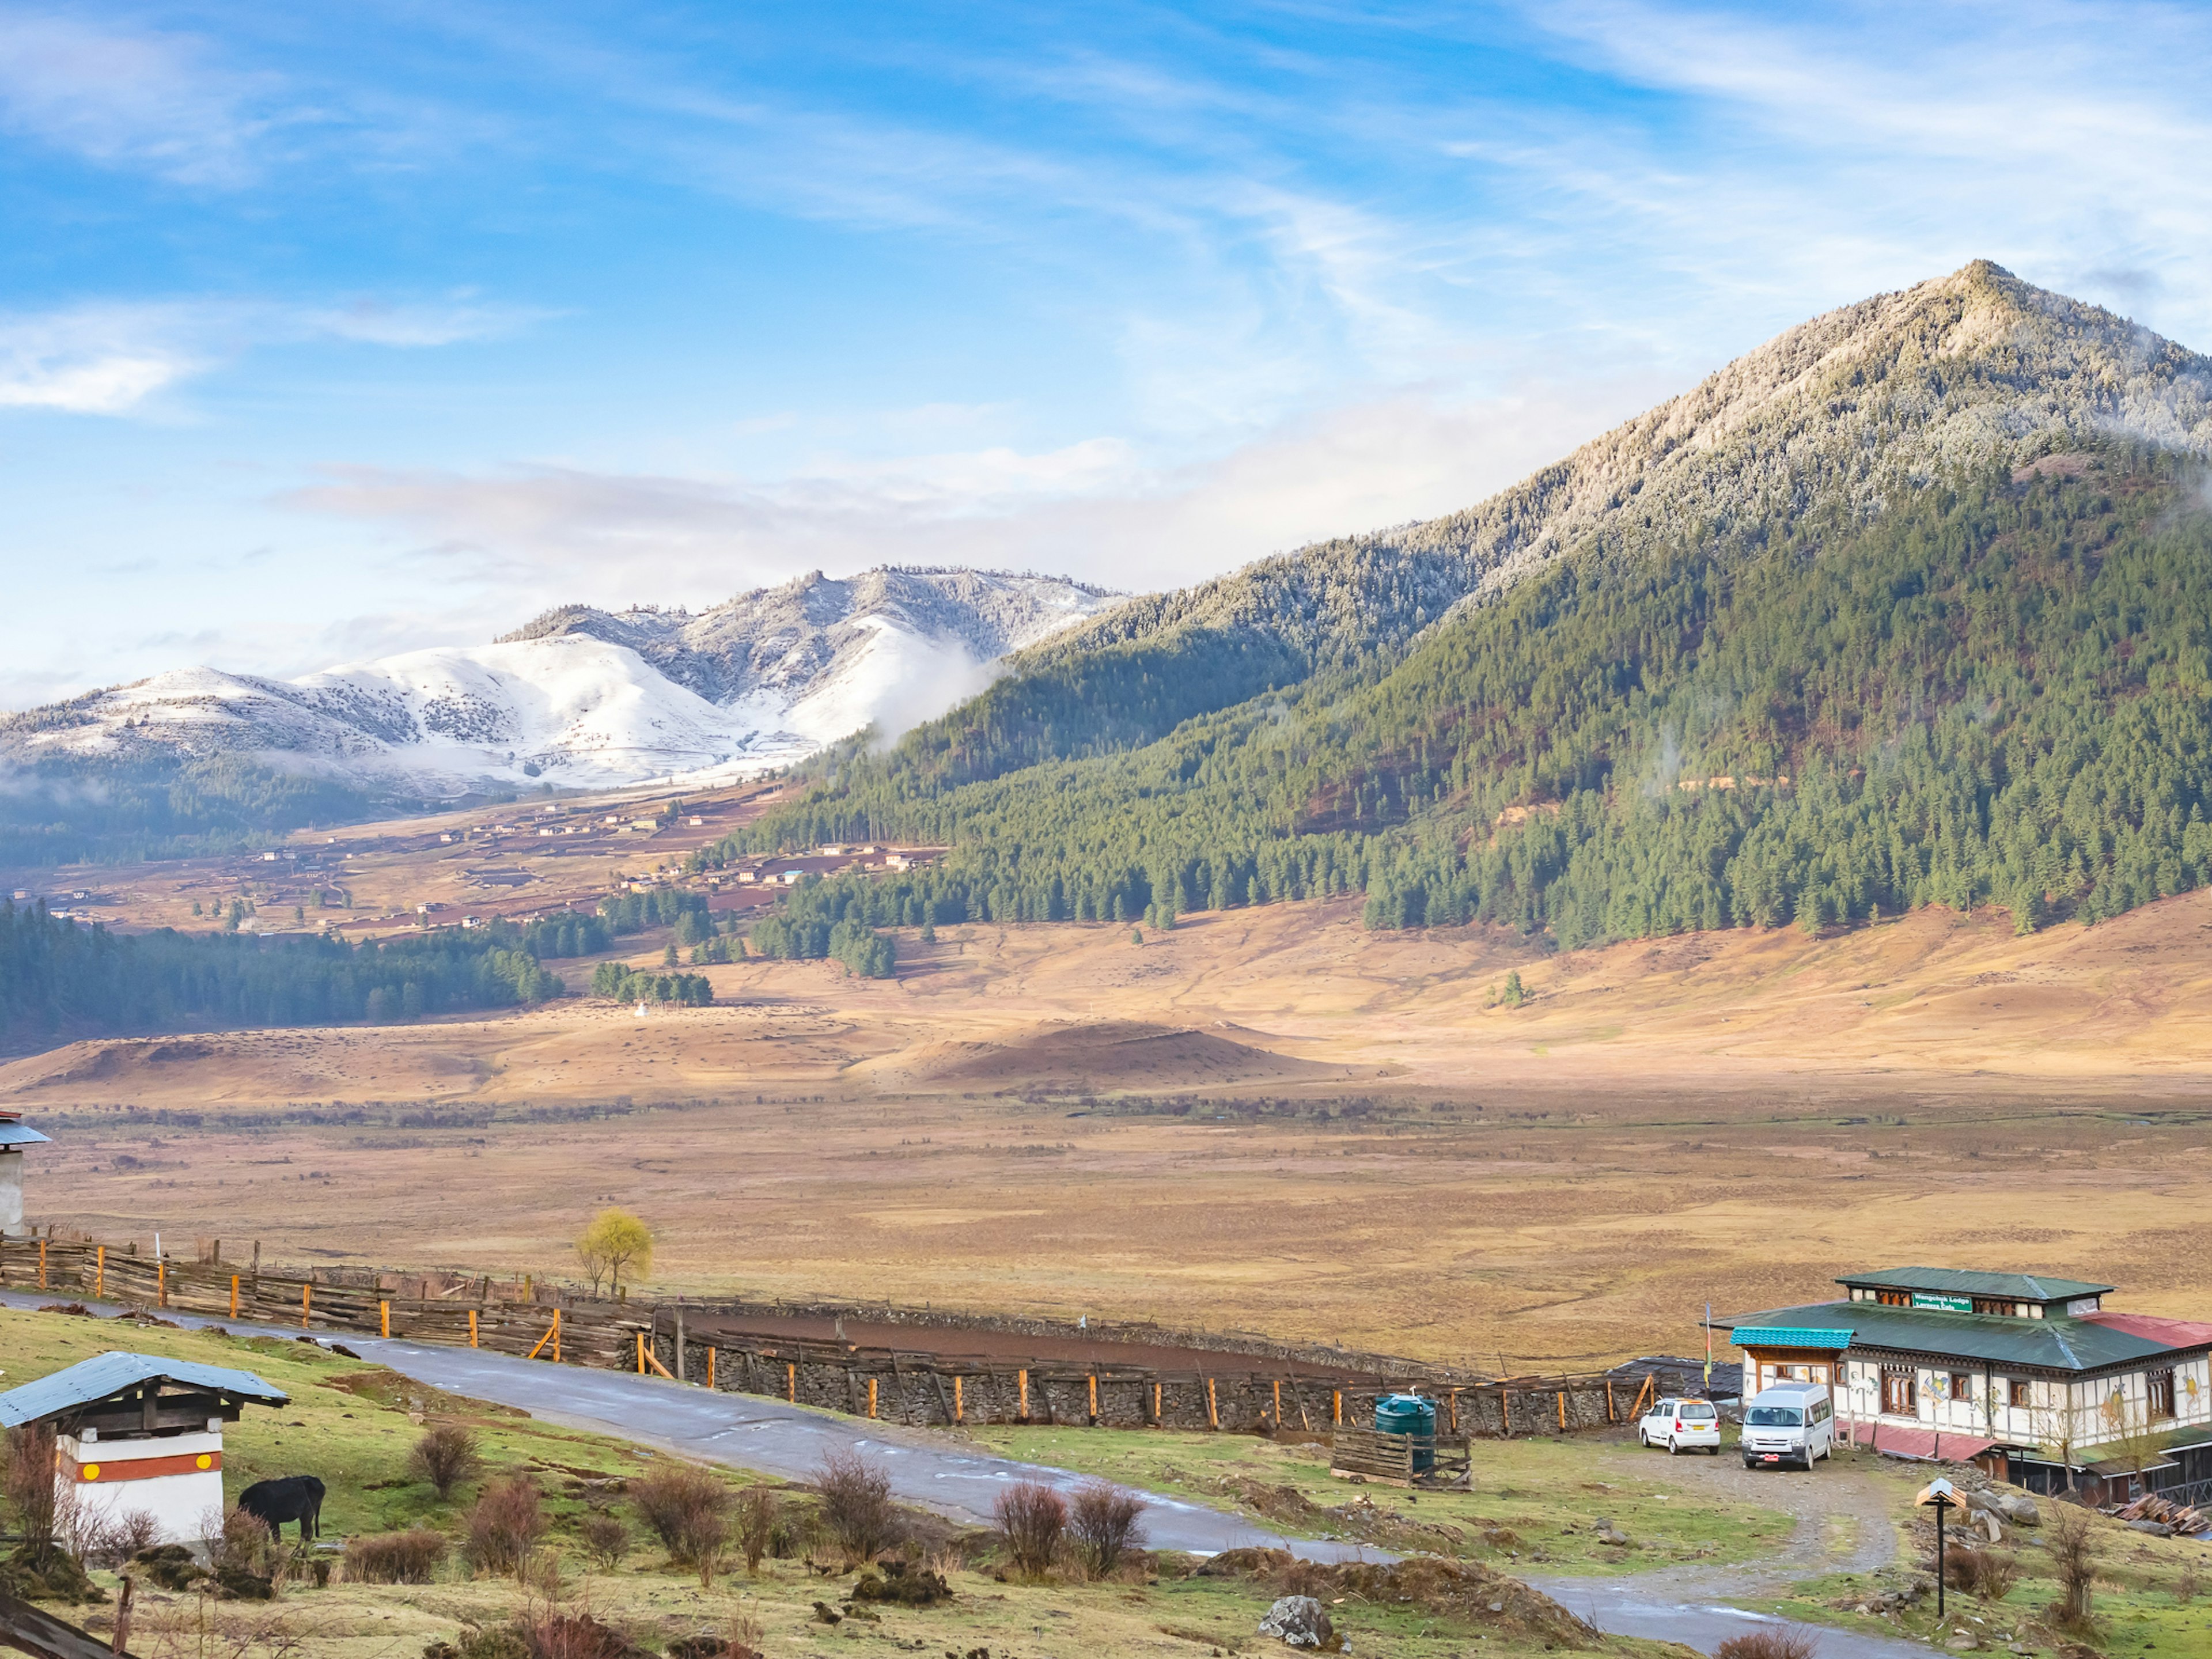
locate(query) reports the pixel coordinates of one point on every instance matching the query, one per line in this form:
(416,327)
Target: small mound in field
(1107,1055)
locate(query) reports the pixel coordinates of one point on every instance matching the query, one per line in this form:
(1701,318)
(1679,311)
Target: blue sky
(330,330)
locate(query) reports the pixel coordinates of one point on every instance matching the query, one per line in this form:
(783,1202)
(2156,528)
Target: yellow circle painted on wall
(206,1462)
(92,1471)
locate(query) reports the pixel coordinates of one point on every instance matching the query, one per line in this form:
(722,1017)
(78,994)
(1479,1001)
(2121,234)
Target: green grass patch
(1535,1503)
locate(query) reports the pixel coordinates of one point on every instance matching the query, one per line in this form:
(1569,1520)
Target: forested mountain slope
(1994,688)
(1809,433)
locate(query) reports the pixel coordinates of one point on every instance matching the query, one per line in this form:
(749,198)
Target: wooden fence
(1245,1394)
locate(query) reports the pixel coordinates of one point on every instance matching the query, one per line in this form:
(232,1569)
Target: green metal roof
(1789,1336)
(1956,1281)
(2056,1345)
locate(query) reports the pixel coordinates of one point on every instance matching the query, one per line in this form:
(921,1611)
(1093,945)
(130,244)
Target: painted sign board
(1948,1303)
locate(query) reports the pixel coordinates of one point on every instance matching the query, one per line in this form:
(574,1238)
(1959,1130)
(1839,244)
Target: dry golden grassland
(1380,1153)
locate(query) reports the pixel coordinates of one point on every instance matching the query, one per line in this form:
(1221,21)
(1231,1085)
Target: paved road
(749,1432)
(937,1472)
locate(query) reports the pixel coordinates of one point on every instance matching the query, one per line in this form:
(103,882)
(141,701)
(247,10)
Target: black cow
(295,1497)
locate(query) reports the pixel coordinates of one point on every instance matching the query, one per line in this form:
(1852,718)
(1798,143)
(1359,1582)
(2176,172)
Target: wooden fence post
(233,1296)
(556,1332)
(384,1318)
(1278,1405)
(1336,1408)
(99,1275)
(710,1368)
(1094,1400)
(1563,1411)
(959,1406)
(1156,1402)
(472,1327)
(791,1383)
(872,1396)
(42,1264)
(1212,1407)
(1505,1413)
(1021,1377)
(307,1302)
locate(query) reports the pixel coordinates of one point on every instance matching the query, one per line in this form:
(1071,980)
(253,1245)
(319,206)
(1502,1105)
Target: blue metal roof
(1789,1336)
(15,1134)
(106,1374)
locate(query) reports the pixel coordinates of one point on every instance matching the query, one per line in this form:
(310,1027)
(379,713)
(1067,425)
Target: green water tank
(1409,1414)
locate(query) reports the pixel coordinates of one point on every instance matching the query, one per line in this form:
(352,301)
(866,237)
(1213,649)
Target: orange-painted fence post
(1336,1408)
(233,1296)
(791,1383)
(552,1335)
(641,1353)
(959,1406)
(1279,1403)
(710,1369)
(1022,1378)
(307,1302)
(872,1396)
(1563,1411)
(42,1264)
(383,1317)
(100,1273)
(1094,1400)
(472,1327)
(1212,1407)
(160,1283)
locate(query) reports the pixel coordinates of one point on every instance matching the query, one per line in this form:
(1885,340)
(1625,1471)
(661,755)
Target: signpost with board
(1941,1497)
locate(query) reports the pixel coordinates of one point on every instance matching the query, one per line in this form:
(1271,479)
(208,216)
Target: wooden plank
(28,1630)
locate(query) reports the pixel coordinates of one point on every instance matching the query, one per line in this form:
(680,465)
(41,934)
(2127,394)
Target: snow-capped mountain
(584,698)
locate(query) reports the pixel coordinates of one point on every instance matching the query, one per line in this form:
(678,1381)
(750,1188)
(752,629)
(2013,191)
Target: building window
(1983,1305)
(1962,1385)
(1894,1299)
(2019,1393)
(2160,1387)
(1900,1394)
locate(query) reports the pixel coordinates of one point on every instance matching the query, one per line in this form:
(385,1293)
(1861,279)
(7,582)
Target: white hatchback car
(1681,1425)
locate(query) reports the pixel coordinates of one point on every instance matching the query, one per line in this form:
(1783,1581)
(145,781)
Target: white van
(1789,1423)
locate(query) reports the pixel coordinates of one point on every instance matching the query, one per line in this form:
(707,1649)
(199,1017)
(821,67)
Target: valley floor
(1268,1119)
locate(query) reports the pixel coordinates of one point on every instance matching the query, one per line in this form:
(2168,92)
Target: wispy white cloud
(546,534)
(144,99)
(116,359)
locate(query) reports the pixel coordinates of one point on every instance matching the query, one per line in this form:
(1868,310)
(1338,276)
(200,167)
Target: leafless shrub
(1768,1644)
(759,1510)
(1030,1519)
(1988,1574)
(2185,1588)
(445,1456)
(551,1634)
(2071,1542)
(239,1542)
(1106,1520)
(30,1489)
(856,1505)
(109,1540)
(689,1510)
(395,1558)
(505,1525)
(606,1540)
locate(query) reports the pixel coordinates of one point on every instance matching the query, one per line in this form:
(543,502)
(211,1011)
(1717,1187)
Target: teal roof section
(2052,1344)
(1789,1336)
(1959,1281)
(113,1373)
